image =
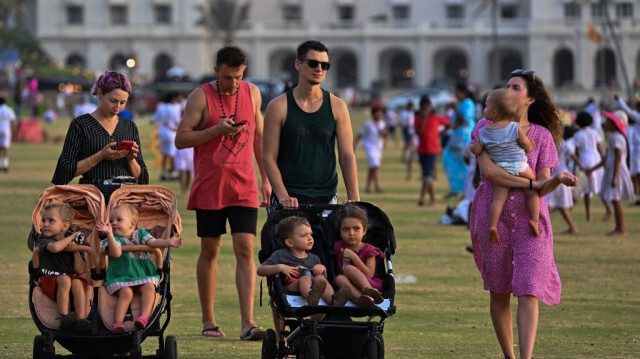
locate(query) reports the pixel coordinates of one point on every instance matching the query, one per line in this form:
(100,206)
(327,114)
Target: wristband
(89,160)
(530,184)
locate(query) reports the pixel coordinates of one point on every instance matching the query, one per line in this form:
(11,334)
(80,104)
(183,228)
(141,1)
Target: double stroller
(343,332)
(157,210)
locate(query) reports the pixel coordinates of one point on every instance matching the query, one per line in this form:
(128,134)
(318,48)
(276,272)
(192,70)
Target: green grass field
(443,315)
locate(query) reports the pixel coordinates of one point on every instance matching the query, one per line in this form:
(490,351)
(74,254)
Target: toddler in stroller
(300,333)
(133,272)
(157,211)
(303,273)
(61,267)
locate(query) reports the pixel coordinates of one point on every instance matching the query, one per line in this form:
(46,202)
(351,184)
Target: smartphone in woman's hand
(124,145)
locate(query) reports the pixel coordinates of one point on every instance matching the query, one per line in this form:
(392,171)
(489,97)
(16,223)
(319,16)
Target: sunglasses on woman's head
(314,63)
(525,73)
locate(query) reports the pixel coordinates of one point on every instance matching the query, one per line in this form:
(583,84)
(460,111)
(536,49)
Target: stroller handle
(74,248)
(136,248)
(307,205)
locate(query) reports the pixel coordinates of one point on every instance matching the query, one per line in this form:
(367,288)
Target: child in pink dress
(356,259)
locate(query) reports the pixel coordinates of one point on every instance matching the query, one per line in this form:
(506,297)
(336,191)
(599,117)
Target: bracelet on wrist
(89,160)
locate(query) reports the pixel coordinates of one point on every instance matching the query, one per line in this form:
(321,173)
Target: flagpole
(616,44)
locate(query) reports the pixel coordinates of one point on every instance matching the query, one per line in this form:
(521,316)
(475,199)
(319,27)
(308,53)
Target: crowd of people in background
(590,148)
(548,153)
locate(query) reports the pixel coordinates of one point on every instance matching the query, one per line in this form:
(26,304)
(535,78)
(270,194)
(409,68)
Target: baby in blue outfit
(506,144)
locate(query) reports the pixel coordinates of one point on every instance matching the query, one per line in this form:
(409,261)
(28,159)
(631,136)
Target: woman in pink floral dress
(520,263)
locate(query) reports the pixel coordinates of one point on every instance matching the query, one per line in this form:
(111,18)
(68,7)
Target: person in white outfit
(633,137)
(372,134)
(588,141)
(7,116)
(168,117)
(562,198)
(84,107)
(593,108)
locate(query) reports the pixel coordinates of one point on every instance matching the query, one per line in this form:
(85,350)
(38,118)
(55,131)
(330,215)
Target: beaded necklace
(224,114)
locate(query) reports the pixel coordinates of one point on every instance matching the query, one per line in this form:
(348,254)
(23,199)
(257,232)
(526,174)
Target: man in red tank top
(223,123)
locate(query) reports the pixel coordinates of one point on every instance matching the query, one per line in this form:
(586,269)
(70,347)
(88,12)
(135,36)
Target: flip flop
(254,333)
(216,330)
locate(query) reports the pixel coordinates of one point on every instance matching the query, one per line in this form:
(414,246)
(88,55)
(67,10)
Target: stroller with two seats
(157,212)
(343,332)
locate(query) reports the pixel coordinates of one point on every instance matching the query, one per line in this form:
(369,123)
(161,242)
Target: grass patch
(443,315)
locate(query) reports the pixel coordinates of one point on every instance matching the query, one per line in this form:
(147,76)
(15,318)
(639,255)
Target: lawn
(443,315)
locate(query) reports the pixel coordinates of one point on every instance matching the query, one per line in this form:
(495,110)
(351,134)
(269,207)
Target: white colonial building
(373,43)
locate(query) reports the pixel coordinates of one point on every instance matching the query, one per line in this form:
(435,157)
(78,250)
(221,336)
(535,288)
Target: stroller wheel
(312,348)
(269,347)
(380,347)
(170,348)
(41,350)
(370,349)
(38,347)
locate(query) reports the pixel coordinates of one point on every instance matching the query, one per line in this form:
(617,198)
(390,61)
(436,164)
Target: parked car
(439,98)
(269,88)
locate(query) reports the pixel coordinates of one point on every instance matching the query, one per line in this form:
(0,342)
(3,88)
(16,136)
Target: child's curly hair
(351,210)
(287,226)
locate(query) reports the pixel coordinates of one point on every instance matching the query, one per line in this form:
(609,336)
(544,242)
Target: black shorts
(213,223)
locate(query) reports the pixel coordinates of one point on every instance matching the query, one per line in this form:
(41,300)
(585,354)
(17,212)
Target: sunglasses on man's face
(525,73)
(314,63)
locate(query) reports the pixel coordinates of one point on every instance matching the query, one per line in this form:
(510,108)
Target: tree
(14,35)
(221,17)
(12,14)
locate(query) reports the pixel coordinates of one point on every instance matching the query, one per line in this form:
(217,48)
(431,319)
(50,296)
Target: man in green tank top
(301,129)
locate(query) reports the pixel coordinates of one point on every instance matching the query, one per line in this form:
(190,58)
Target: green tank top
(307,156)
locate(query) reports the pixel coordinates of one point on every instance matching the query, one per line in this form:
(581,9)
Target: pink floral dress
(521,263)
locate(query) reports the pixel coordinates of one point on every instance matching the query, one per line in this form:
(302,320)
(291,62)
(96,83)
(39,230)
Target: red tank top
(224,173)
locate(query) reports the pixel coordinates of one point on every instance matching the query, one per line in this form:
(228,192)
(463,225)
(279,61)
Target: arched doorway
(605,68)
(75,60)
(637,78)
(501,63)
(118,62)
(451,67)
(563,68)
(282,65)
(346,70)
(161,64)
(396,68)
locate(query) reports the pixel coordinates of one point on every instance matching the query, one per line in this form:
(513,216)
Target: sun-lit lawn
(444,314)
